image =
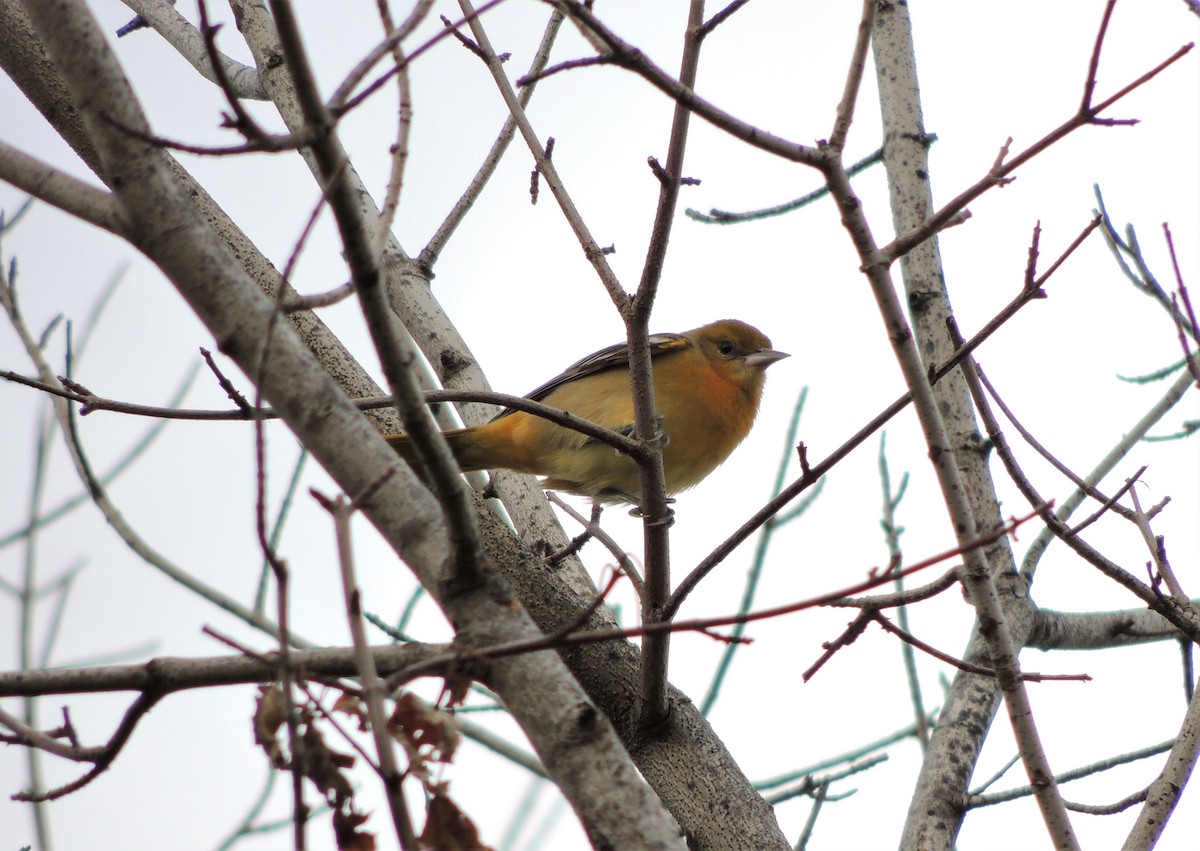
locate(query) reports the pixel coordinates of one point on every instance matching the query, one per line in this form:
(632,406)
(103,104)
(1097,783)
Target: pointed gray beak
(765,357)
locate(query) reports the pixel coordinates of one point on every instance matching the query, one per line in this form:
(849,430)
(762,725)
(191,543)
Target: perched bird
(707,386)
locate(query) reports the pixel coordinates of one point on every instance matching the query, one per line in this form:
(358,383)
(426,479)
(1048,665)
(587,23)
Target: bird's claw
(660,434)
(667,518)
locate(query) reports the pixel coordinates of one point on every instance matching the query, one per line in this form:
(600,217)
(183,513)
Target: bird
(708,383)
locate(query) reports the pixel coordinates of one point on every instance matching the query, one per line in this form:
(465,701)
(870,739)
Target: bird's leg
(662,439)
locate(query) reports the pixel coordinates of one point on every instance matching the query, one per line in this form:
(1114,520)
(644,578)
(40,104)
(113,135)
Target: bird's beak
(765,357)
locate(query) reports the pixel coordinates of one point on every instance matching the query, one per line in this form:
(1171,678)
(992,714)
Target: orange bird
(707,386)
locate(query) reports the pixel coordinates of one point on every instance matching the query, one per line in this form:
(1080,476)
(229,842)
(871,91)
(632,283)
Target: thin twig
(1107,503)
(977,798)
(342,102)
(720,18)
(373,694)
(705,626)
(814,473)
(596,531)
(854,76)
(1185,617)
(433,249)
(726,217)
(243,122)
(892,532)
(1162,567)
(911,640)
(98,492)
(999,175)
(91,403)
(399,159)
(137,710)
(758,561)
(811,821)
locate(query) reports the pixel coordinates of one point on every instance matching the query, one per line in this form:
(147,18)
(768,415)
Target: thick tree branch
(948,425)
(1099,630)
(59,189)
(166,227)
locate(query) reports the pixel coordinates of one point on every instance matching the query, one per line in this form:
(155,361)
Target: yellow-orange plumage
(707,387)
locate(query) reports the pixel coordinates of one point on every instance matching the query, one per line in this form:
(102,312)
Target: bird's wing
(613,357)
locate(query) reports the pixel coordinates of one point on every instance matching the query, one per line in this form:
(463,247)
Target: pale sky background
(517,285)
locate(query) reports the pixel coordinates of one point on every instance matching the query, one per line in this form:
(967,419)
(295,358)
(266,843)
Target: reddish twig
(1193,363)
(909,638)
(811,475)
(241,121)
(875,579)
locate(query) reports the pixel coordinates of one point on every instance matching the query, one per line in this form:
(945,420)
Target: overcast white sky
(523,295)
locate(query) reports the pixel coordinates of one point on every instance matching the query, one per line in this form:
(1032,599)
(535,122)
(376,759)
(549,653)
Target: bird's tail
(459,448)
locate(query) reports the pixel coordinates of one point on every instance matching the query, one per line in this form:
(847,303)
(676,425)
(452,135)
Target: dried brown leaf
(447,828)
(456,688)
(354,707)
(417,725)
(269,715)
(346,831)
(323,766)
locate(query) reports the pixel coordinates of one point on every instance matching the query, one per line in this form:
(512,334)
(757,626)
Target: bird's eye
(725,347)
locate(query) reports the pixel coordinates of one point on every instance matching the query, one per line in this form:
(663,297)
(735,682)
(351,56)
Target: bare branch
(629,57)
(854,75)
(373,694)
(1181,614)
(999,174)
(813,473)
(977,799)
(656,514)
(242,121)
(1163,794)
(1098,630)
(165,19)
(61,190)
(433,249)
(166,675)
(721,17)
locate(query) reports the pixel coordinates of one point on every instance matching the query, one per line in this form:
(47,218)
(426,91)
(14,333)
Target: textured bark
(720,806)
(24,60)
(177,225)
(683,759)
(167,228)
(935,814)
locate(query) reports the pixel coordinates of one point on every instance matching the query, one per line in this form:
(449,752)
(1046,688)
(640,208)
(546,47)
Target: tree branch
(59,189)
(178,32)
